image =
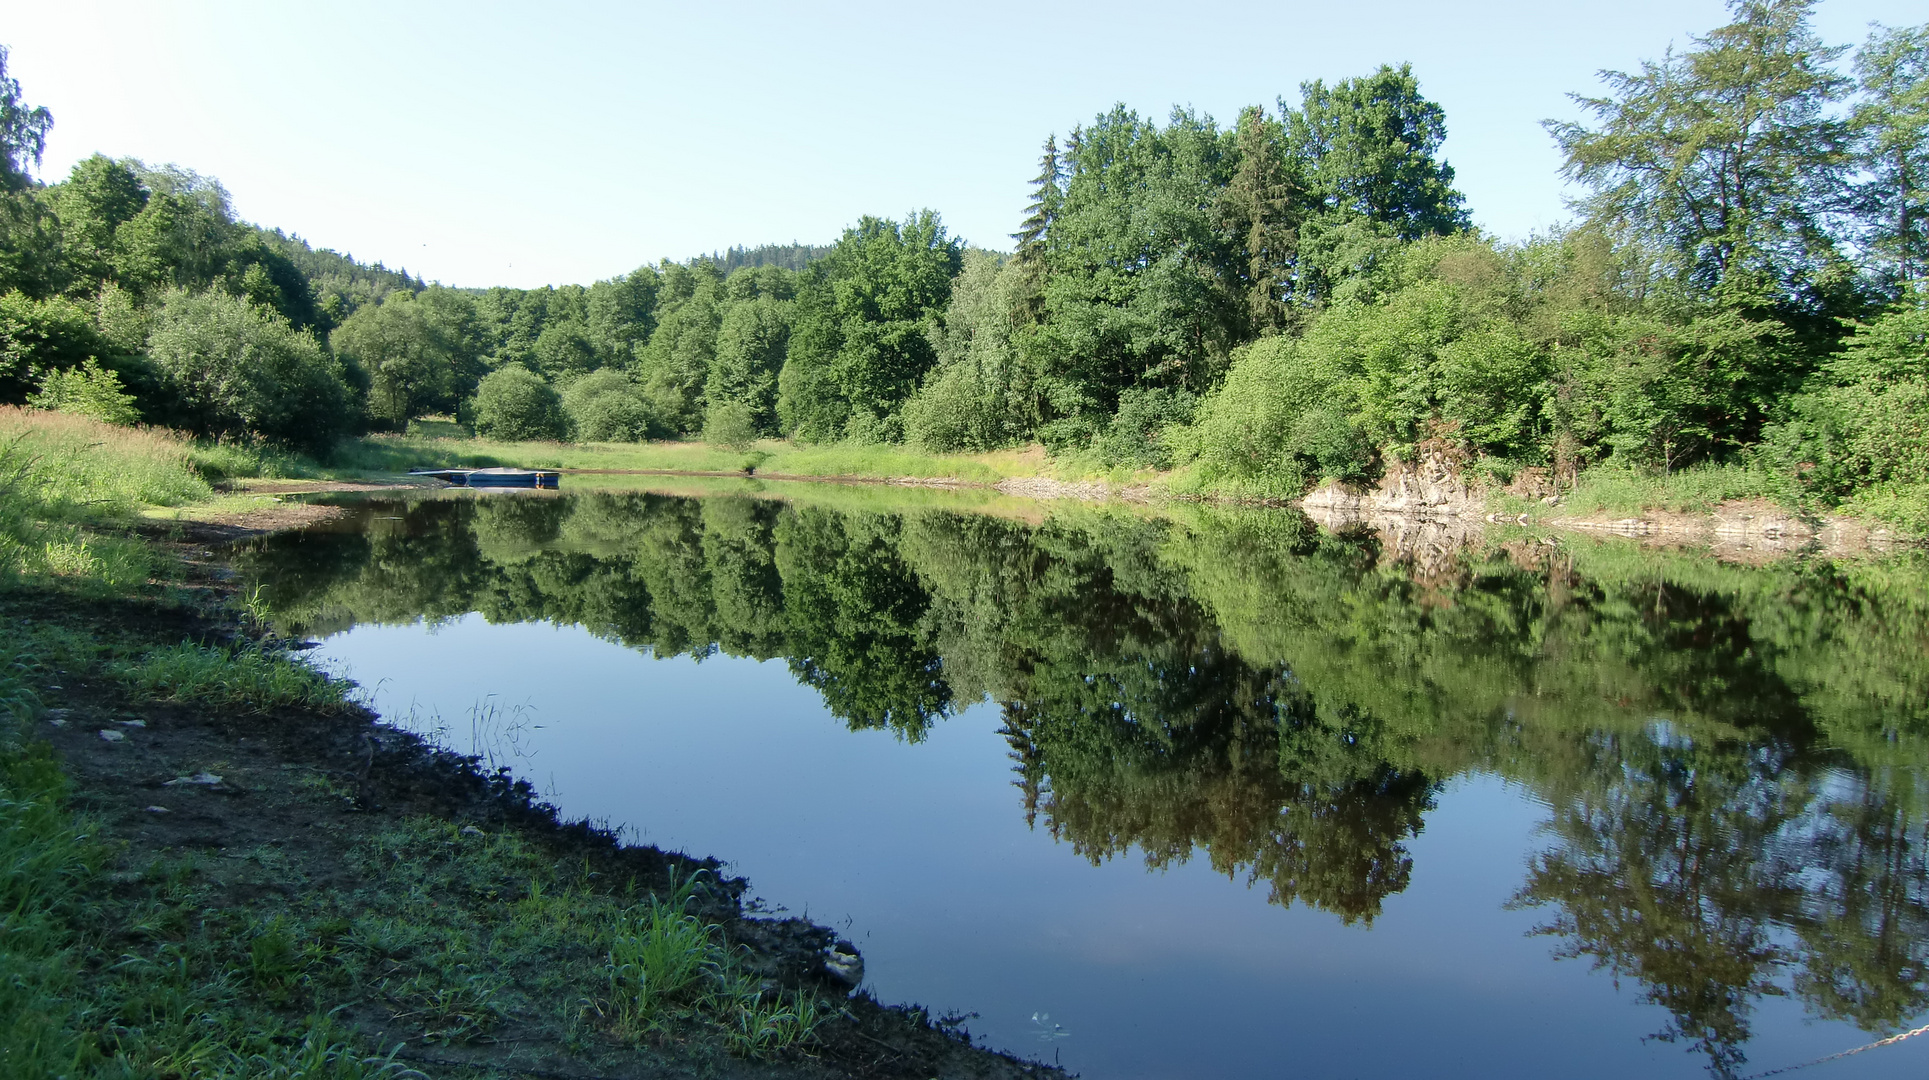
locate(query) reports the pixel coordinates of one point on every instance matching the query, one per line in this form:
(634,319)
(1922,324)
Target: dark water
(1218,795)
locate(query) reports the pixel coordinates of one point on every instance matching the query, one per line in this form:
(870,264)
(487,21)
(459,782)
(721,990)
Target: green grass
(1904,507)
(399,453)
(248,678)
(1617,492)
(72,467)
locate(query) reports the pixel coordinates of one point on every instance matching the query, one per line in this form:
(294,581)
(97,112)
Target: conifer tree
(1047,192)
(1262,206)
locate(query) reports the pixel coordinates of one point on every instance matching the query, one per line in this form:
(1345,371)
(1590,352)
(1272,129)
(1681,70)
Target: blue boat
(495,478)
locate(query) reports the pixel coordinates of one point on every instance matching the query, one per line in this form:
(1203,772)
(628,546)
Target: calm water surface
(1211,797)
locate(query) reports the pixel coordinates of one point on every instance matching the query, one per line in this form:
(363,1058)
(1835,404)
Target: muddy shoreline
(297,791)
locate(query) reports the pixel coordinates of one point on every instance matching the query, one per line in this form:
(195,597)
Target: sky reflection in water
(1158,709)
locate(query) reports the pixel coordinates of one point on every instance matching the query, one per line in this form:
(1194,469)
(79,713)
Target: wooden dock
(495,478)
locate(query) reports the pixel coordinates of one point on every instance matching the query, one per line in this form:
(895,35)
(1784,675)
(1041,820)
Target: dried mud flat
(274,806)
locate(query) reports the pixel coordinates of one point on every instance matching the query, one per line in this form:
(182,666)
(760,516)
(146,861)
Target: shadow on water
(1731,756)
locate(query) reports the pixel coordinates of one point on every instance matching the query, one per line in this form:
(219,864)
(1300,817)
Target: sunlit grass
(65,465)
(399,453)
(249,678)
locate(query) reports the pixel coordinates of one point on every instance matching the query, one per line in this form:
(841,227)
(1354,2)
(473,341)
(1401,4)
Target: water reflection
(1730,754)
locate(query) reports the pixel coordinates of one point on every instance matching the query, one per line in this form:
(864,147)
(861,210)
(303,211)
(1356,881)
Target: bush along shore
(221,865)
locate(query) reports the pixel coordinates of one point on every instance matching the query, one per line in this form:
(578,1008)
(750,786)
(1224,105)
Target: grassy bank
(220,866)
(380,454)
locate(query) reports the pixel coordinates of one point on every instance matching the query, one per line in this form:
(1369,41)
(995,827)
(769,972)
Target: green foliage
(515,403)
(674,368)
(249,678)
(89,390)
(732,425)
(1138,434)
(983,392)
(1135,265)
(859,346)
(1891,125)
(1728,155)
(41,336)
(606,406)
(753,341)
(235,370)
(23,131)
(1864,421)
(412,358)
(1368,149)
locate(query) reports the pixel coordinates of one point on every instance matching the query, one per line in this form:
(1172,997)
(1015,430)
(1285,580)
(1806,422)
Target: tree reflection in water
(1732,755)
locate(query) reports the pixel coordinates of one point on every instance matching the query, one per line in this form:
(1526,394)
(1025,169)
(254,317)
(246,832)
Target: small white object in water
(204,779)
(159,810)
(111,736)
(131,723)
(1046,1030)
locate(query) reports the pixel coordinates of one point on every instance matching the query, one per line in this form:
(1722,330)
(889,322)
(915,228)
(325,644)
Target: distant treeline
(1295,296)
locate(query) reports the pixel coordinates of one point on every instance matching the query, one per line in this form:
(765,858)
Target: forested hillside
(1298,294)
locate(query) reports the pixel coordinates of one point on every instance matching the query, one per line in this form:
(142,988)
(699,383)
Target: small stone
(158,810)
(202,779)
(131,723)
(471,830)
(56,688)
(111,736)
(57,721)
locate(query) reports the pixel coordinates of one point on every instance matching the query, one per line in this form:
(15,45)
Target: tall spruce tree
(1047,192)
(1262,206)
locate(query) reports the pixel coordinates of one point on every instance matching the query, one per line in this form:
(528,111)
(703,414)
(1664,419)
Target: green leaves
(1727,154)
(860,344)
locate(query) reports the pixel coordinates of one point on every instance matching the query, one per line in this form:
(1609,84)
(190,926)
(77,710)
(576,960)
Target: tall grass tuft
(63,465)
(247,678)
(660,957)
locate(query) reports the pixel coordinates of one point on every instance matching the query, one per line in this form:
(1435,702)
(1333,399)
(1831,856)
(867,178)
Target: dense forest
(1300,294)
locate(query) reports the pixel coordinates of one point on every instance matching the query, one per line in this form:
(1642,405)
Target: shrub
(236,370)
(1864,419)
(513,402)
(606,406)
(731,425)
(89,390)
(38,336)
(1136,436)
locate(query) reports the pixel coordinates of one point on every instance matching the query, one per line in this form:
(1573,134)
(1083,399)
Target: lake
(1205,793)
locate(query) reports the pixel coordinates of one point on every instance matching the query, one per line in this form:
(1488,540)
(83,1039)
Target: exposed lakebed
(1211,794)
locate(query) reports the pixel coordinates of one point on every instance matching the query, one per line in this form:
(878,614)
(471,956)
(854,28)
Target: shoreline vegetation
(1293,302)
(226,866)
(191,798)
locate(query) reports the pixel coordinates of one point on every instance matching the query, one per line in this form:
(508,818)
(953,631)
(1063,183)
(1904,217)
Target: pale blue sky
(526,144)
